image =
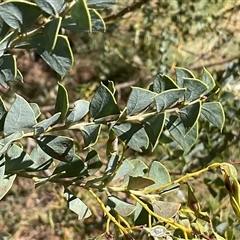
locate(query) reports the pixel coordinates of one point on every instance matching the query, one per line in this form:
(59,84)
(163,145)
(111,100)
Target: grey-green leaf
(52,7)
(158,232)
(141,215)
(169,98)
(8,69)
(6,41)
(41,160)
(81,108)
(20,117)
(182,73)
(103,104)
(153,126)
(98,23)
(139,99)
(6,184)
(81,15)
(93,162)
(50,33)
(195,89)
(62,102)
(139,168)
(4,28)
(35,109)
(60,59)
(2,167)
(123,170)
(3,113)
(159,173)
(178,132)
(190,114)
(207,78)
(19,14)
(166,209)
(58,147)
(136,183)
(123,208)
(162,83)
(90,134)
(100,3)
(76,205)
(45,124)
(133,135)
(7,141)
(96,19)
(75,168)
(213,111)
(109,171)
(16,159)
(112,164)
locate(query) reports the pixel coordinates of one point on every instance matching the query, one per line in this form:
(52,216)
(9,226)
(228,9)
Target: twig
(127,9)
(222,61)
(108,214)
(162,219)
(183,178)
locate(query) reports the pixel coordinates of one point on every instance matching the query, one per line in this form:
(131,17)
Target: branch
(108,214)
(222,61)
(168,221)
(124,11)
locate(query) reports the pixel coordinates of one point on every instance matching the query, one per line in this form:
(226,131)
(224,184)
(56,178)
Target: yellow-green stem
(183,178)
(109,215)
(124,221)
(168,221)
